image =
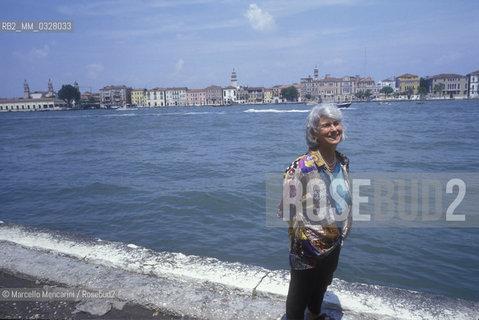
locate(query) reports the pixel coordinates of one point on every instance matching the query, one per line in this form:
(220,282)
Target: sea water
(193,180)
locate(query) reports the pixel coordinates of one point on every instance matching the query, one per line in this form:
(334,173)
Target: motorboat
(343,105)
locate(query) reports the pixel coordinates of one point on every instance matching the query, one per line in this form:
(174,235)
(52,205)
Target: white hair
(329,110)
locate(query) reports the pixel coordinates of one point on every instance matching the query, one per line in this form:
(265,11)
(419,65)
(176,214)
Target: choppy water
(193,180)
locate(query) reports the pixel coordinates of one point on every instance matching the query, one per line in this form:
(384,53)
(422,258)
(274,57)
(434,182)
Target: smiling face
(329,131)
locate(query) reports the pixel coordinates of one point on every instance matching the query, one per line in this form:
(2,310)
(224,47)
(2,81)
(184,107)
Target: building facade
(365,84)
(214,96)
(196,97)
(473,85)
(138,97)
(268,95)
(175,97)
(88,96)
(390,82)
(254,95)
(348,87)
(42,104)
(276,92)
(453,86)
(331,89)
(230,95)
(115,96)
(406,82)
(310,89)
(156,97)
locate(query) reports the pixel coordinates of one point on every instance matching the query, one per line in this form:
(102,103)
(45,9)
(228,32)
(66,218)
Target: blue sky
(197,43)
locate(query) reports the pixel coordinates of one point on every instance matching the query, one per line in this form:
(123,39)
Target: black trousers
(307,287)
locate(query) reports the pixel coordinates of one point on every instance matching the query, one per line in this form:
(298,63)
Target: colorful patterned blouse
(316,207)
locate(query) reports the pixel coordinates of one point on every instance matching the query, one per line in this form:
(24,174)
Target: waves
(201,287)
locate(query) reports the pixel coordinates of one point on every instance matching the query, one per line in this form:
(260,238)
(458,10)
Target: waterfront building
(454,86)
(268,95)
(242,95)
(329,88)
(138,97)
(88,96)
(473,85)
(230,95)
(214,96)
(38,94)
(310,89)
(156,97)
(347,88)
(277,95)
(36,104)
(390,82)
(115,96)
(196,97)
(253,95)
(365,84)
(407,81)
(276,92)
(33,101)
(175,97)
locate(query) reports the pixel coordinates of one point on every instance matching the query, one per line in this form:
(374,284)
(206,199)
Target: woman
(317,204)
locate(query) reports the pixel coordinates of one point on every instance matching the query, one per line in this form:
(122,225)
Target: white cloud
(34,53)
(93,69)
(179,65)
(259,20)
(41,52)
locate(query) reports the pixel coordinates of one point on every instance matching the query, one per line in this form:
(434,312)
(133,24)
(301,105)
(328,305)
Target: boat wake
(199,287)
(274,110)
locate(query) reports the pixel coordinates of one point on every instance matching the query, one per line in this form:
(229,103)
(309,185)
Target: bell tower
(50,89)
(234,80)
(26,90)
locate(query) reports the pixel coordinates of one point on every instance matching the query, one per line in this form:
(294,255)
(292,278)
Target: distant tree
(359,94)
(69,93)
(367,94)
(423,88)
(387,90)
(290,93)
(438,88)
(308,96)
